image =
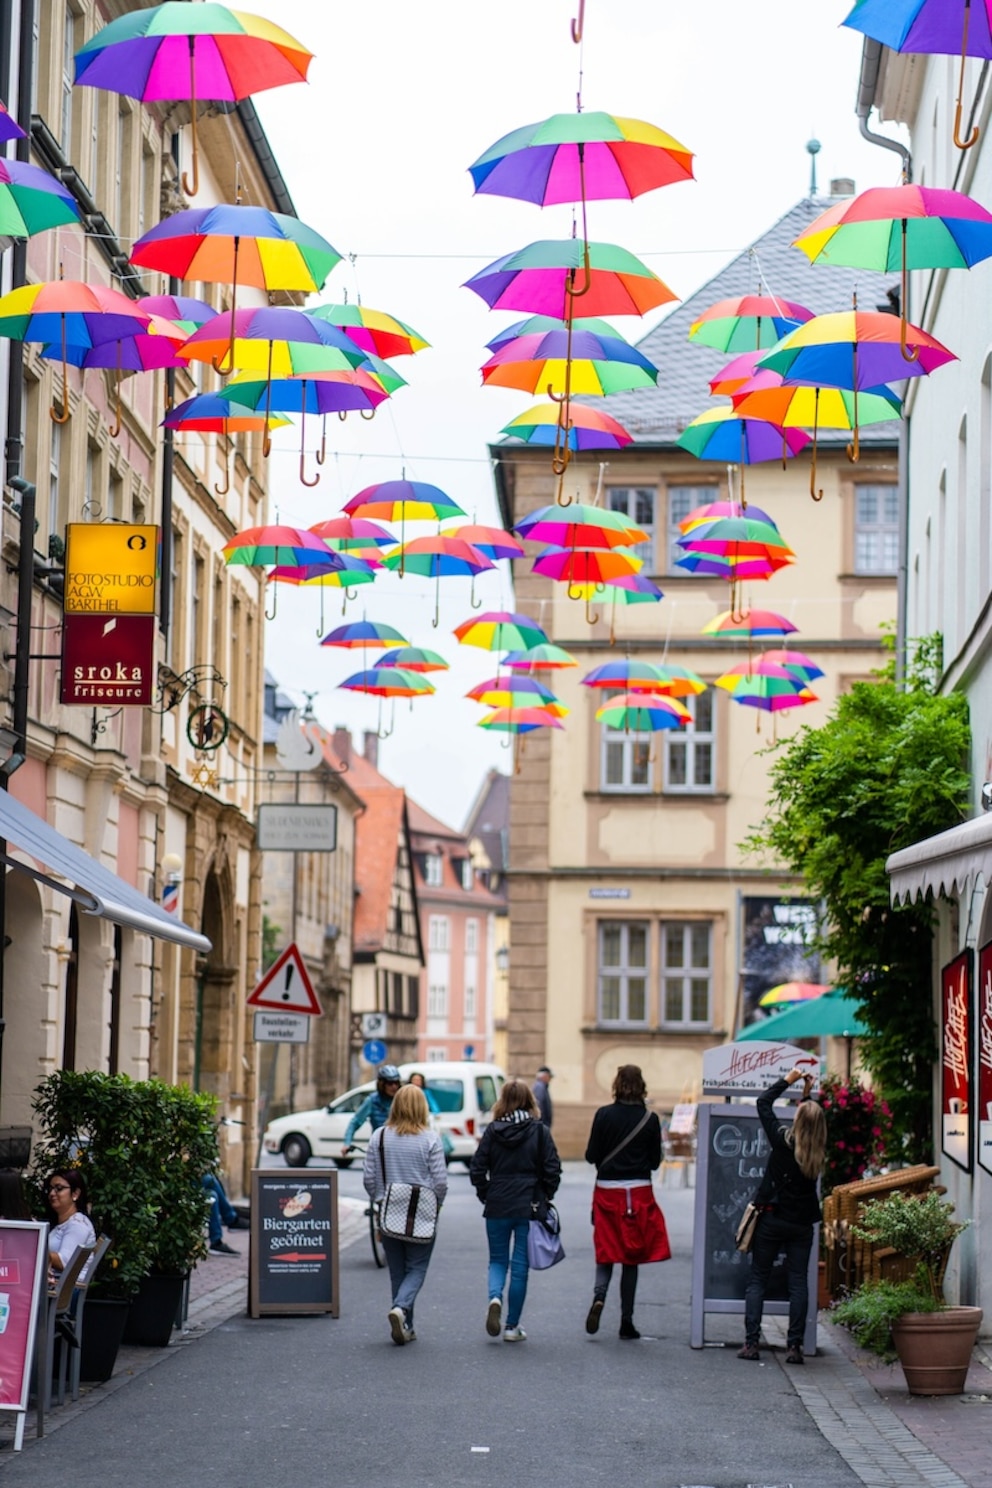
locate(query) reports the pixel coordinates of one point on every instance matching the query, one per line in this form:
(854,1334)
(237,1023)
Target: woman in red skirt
(628,1226)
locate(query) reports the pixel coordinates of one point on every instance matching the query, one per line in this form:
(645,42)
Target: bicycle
(375,1238)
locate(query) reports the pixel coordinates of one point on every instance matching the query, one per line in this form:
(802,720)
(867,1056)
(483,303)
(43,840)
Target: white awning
(94,888)
(948,863)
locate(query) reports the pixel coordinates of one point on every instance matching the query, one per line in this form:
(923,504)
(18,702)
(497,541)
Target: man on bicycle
(375,1107)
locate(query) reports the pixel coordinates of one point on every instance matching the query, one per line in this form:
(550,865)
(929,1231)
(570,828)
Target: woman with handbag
(628,1227)
(516,1172)
(406,1176)
(789,1207)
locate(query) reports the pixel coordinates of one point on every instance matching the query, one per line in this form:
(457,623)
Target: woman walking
(516,1172)
(405,1150)
(790,1207)
(628,1227)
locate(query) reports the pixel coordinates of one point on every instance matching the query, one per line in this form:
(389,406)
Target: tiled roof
(489,819)
(657,415)
(421,821)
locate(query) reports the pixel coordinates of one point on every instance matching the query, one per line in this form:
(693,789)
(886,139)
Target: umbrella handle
(963,144)
(591,619)
(117,400)
(351,594)
(579,23)
(910,353)
(275,603)
(475,603)
(368,414)
(303,430)
(570,289)
(854,448)
(817,495)
(218,491)
(63,417)
(267,436)
(322,452)
(192,187)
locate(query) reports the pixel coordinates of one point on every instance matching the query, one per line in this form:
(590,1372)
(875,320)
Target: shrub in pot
(910,1318)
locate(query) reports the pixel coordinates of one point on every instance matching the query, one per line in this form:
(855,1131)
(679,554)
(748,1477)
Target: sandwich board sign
(286,987)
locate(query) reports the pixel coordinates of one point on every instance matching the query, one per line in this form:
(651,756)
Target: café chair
(59,1305)
(69,1329)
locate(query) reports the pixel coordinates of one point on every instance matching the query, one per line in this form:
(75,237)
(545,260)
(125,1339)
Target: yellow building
(631,900)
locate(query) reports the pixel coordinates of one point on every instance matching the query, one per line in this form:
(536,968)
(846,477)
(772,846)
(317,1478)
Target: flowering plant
(858,1125)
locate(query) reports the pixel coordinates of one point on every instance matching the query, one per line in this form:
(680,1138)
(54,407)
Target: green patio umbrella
(832,1015)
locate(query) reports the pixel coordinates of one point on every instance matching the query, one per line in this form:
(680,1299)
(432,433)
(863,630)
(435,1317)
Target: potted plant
(910,1318)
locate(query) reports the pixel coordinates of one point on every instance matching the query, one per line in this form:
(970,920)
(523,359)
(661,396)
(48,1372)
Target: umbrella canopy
(387,682)
(581,157)
(772,690)
(736,372)
(832,1014)
(631,676)
(515,691)
(580,526)
(275,544)
(542,325)
(363,633)
(727,435)
(730,626)
(815,407)
(637,713)
(278,341)
(413,659)
(184,311)
(438,556)
(209,413)
(787,993)
(501,630)
(344,569)
(403,500)
(353,534)
(543,278)
(343,391)
(9,127)
(371,330)
(495,542)
(854,348)
(922,227)
(519,720)
(747,322)
(544,657)
(573,566)
(512,366)
(796,662)
(32,201)
(735,538)
(587,428)
(710,510)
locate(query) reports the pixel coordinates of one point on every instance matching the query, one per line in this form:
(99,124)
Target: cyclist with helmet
(375,1108)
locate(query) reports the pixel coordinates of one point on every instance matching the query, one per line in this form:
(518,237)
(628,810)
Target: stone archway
(213,1052)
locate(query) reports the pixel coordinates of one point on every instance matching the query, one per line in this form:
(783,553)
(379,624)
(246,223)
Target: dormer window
(433,870)
(467,875)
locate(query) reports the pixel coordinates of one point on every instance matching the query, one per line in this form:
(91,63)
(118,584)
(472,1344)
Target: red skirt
(628,1227)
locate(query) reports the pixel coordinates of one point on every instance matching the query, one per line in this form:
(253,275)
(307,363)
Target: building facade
(487,828)
(629,889)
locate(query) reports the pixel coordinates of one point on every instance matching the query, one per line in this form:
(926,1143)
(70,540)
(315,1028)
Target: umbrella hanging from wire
(731,437)
(516,691)
(32,201)
(413,659)
(371,330)
(501,630)
(438,556)
(207,413)
(640,713)
(544,657)
(9,127)
(749,624)
(747,322)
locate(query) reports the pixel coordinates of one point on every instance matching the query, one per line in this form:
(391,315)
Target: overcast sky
(375,149)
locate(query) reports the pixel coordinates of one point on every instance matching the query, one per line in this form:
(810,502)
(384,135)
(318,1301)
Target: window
(625,760)
(623,972)
(471,937)
(689,758)
(637,503)
(686,974)
(681,501)
(467,875)
(413,996)
(471,970)
(68,48)
(437,995)
(438,933)
(876,529)
(433,870)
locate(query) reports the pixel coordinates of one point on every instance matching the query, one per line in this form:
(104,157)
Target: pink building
(457,925)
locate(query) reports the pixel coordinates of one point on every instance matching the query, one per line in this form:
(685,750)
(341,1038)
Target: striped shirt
(414,1158)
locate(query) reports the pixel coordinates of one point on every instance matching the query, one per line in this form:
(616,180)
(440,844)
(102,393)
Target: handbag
(744,1234)
(544,1247)
(407,1211)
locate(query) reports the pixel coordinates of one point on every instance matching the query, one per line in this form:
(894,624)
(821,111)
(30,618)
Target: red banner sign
(955,1059)
(108,660)
(983,1032)
(23,1267)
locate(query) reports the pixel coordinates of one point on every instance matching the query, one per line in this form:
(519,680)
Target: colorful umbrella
(573,566)
(495,542)
(363,633)
(583,526)
(559,375)
(727,435)
(543,278)
(517,691)
(145,349)
(796,662)
(184,311)
(586,428)
(501,630)
(353,534)
(196,52)
(413,659)
(371,330)
(710,510)
(735,538)
(388,682)
(542,325)
(581,157)
(544,657)
(519,720)
(636,713)
(277,544)
(277,340)
(901,227)
(933,27)
(403,500)
(729,626)
(737,371)
(771,689)
(207,413)
(438,556)
(747,322)
(853,348)
(789,992)
(9,127)
(32,201)
(629,676)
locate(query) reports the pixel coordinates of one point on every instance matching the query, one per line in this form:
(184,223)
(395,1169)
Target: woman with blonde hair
(789,1208)
(516,1172)
(405,1150)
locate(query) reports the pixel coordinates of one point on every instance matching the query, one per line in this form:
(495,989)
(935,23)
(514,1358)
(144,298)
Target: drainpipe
(871,59)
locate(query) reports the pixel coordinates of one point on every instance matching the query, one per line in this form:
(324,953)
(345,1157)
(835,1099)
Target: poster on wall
(23,1269)
(955,1060)
(776,942)
(983,1033)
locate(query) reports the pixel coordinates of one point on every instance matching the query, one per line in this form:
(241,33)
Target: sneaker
(593,1315)
(514,1335)
(221,1247)
(494,1317)
(409,1336)
(397,1324)
(749,1351)
(795,1355)
(627,1329)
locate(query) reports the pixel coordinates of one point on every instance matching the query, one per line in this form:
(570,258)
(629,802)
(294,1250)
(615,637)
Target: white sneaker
(514,1335)
(397,1324)
(409,1336)
(494,1317)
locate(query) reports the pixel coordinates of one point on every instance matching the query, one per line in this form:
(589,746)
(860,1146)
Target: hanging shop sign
(110,568)
(956,1100)
(297,828)
(108,661)
(983,1035)
(748,1069)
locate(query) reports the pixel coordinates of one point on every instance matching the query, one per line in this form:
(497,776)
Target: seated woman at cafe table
(65,1198)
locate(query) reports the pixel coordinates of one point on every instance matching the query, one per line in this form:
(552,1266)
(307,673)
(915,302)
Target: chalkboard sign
(731,1156)
(294,1241)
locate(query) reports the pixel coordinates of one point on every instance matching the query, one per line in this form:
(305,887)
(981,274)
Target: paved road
(317,1401)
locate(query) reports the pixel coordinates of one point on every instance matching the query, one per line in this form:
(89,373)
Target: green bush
(142,1147)
(870,1311)
(920,1226)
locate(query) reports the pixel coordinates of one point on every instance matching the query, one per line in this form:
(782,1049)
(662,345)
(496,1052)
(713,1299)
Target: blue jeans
(498,1232)
(407,1271)
(222,1212)
(772,1236)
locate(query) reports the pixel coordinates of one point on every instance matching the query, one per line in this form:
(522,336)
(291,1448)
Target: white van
(464,1092)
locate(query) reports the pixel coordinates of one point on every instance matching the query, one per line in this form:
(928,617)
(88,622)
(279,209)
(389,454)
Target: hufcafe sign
(108,623)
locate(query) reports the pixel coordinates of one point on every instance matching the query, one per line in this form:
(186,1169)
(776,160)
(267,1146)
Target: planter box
(104,1320)
(935,1348)
(154,1311)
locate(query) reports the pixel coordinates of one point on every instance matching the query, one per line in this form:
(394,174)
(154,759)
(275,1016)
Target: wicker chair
(848,1260)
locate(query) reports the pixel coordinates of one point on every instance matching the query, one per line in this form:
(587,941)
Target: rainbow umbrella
(796,662)
(747,322)
(736,372)
(576,566)
(149,348)
(438,556)
(629,676)
(9,127)
(766,686)
(854,348)
(388,682)
(542,278)
(710,510)
(519,720)
(727,435)
(371,330)
(32,201)
(581,157)
(730,626)
(197,52)
(733,567)
(933,27)
(278,340)
(542,325)
(184,311)
(403,500)
(501,630)
(277,545)
(495,542)
(787,992)
(355,535)
(583,526)
(601,363)
(544,657)
(208,413)
(363,633)
(587,428)
(735,538)
(413,659)
(517,691)
(638,713)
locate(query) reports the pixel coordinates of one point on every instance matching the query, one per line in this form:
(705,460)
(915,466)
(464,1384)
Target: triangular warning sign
(285,987)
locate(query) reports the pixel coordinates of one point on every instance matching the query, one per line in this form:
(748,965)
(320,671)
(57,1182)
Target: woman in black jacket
(516,1172)
(628,1226)
(790,1207)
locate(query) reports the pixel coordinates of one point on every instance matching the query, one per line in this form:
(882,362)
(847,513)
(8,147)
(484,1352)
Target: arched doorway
(214,1015)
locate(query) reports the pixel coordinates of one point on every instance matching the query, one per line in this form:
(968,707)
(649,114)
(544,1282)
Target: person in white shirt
(65,1196)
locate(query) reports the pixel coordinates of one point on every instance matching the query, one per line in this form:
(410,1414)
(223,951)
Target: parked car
(464,1091)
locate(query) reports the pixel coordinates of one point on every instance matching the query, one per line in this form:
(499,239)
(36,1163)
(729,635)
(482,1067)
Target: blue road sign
(374,1052)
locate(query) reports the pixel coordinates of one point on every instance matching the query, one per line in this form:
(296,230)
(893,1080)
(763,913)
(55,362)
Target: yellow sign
(110,568)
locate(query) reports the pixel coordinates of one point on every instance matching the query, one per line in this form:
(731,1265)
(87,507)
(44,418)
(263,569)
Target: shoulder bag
(407,1211)
(544,1247)
(744,1234)
(621,1145)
